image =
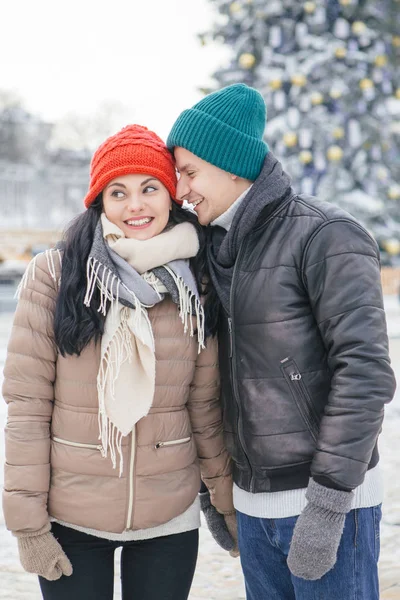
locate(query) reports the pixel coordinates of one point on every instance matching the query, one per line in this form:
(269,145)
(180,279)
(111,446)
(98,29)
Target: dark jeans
(264,546)
(150,569)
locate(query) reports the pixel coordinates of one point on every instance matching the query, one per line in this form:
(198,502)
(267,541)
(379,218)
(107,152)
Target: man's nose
(182,190)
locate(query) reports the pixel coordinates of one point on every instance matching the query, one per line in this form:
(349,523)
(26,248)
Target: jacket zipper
(172,442)
(233,367)
(130,478)
(297,384)
(77,444)
(231,336)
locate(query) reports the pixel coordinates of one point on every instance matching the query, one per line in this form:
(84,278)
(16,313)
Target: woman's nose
(136,203)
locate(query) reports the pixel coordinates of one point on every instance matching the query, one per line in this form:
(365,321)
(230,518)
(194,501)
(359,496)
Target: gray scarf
(123,282)
(270,188)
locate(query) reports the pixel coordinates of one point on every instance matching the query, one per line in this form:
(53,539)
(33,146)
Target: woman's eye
(149,188)
(118,194)
(190,173)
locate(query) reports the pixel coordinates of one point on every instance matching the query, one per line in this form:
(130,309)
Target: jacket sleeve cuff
(30,534)
(221,493)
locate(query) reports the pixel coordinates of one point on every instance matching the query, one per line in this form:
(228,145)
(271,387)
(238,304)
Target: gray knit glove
(318,531)
(40,553)
(223,528)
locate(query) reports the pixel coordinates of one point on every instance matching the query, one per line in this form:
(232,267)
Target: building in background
(41,188)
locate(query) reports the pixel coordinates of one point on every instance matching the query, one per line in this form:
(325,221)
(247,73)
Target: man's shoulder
(326,211)
(338,231)
(308,213)
(308,218)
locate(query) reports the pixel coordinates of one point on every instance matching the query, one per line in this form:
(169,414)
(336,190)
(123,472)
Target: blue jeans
(264,547)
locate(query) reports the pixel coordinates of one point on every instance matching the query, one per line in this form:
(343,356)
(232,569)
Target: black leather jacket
(305,370)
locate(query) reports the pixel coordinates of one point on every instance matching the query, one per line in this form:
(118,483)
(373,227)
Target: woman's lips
(136,224)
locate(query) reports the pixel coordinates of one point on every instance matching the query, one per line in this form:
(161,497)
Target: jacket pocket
(77,444)
(301,396)
(172,442)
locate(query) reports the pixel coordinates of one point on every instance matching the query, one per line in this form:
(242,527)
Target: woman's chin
(141,234)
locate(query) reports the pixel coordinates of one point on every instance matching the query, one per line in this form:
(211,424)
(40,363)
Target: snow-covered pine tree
(330,74)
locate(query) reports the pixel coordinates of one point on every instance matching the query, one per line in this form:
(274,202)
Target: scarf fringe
(118,351)
(30,272)
(186,298)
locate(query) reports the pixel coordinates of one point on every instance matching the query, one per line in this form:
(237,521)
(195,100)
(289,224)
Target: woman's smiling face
(138,204)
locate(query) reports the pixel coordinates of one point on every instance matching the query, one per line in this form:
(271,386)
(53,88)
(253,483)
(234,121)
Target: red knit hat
(134,149)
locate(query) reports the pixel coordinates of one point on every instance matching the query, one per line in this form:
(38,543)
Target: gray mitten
(222,532)
(40,553)
(318,531)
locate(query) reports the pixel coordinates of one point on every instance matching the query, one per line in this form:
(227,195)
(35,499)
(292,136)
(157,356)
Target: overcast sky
(72,56)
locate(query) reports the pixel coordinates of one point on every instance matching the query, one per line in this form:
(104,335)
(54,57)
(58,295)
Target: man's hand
(318,531)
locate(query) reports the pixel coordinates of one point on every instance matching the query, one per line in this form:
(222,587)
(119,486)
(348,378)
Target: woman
(110,401)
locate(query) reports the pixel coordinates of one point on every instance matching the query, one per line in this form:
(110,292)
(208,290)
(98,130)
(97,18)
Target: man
(305,371)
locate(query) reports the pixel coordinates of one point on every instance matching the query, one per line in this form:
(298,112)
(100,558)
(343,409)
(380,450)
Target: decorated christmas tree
(330,74)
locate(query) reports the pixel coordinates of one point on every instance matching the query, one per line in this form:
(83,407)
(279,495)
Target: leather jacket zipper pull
(230,337)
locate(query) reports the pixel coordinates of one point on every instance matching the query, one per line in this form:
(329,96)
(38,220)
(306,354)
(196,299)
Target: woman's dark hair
(197,263)
(75,324)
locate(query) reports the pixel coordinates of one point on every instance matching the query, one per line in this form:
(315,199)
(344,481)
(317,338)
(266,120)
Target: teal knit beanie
(225,129)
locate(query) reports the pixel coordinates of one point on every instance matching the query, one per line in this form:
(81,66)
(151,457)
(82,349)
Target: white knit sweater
(187,521)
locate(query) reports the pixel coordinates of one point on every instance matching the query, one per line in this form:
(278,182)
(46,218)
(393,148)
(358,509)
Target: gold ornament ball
(317,98)
(397,94)
(358,27)
(394,192)
(309,7)
(338,133)
(392,246)
(396,41)
(275,84)
(305,157)
(382,173)
(381,60)
(366,84)
(334,153)
(247,60)
(290,139)
(299,79)
(340,52)
(235,7)
(335,93)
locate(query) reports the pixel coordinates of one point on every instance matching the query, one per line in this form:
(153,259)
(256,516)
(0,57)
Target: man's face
(209,189)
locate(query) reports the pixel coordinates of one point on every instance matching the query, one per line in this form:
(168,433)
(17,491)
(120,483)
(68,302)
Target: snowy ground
(218,577)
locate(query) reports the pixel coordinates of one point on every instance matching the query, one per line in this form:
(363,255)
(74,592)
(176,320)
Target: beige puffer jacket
(53,461)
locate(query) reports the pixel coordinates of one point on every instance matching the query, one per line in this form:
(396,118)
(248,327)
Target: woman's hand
(40,553)
(223,528)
